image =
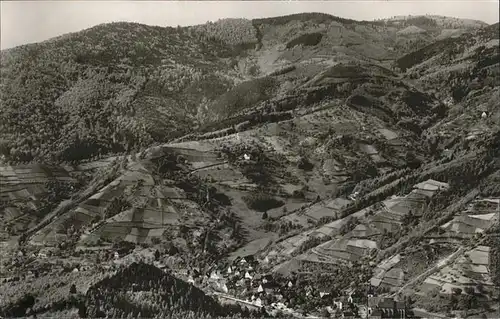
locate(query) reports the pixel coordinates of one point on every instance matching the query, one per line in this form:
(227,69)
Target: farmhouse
(431,185)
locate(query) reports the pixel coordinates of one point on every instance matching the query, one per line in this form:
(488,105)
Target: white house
(338,304)
(224,288)
(258,302)
(214,276)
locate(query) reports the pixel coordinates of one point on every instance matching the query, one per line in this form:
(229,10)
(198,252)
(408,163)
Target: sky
(25,22)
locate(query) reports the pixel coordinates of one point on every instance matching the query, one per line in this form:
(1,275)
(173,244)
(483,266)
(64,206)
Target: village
(239,282)
(251,280)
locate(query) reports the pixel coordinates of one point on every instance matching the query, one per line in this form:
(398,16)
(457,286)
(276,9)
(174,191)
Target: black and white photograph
(250,159)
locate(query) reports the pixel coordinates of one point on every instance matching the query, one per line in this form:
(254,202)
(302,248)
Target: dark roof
(268,276)
(376,312)
(387,303)
(400,305)
(269,285)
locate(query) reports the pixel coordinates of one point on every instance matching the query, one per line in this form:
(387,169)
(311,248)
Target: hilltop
(123,85)
(282,164)
(438,21)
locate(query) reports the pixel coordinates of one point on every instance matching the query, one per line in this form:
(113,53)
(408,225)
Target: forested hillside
(267,167)
(109,89)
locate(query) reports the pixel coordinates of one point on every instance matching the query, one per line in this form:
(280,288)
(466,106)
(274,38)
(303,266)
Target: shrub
(299,194)
(305,164)
(308,39)
(262,202)
(456,291)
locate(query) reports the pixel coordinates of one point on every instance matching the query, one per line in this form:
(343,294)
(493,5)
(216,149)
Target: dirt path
(237,300)
(208,166)
(425,314)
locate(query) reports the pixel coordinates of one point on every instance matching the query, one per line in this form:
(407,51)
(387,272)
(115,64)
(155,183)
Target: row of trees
(466,300)
(281,227)
(494,256)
